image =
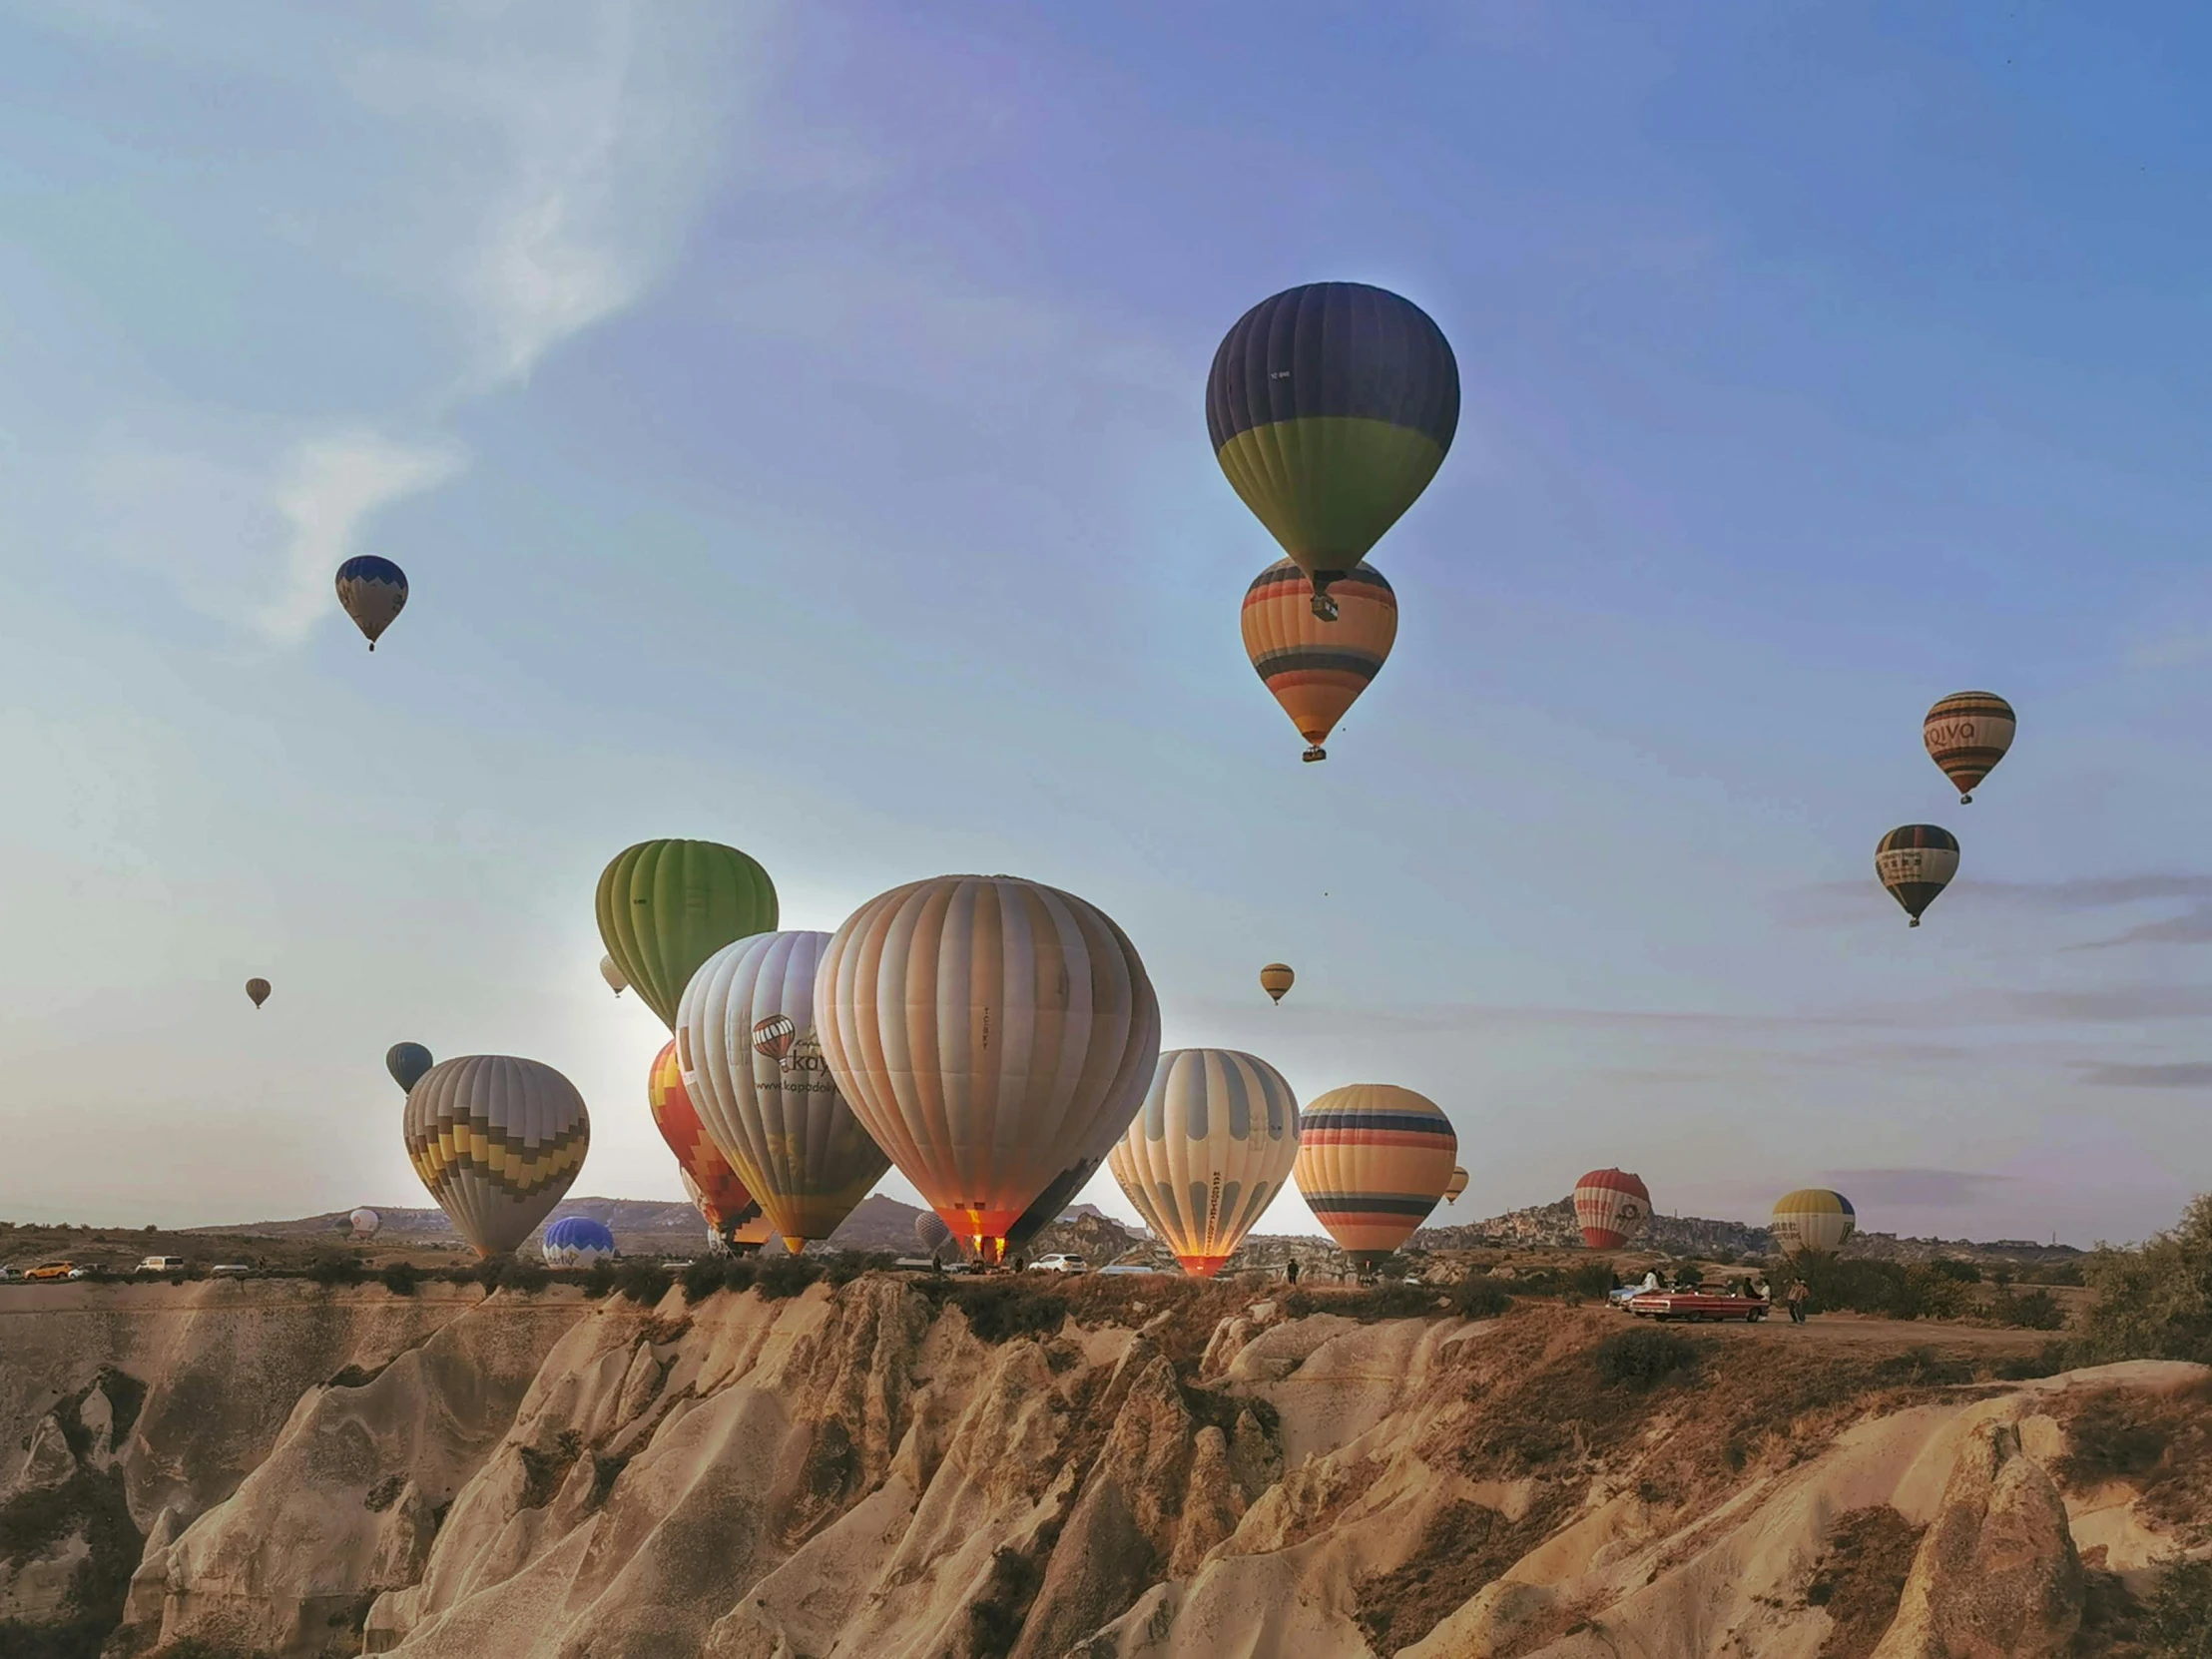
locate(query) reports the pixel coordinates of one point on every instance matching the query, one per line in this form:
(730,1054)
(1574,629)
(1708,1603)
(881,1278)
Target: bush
(1951,1268)
(335,1267)
(2035,1310)
(400,1277)
(848,1264)
(702,1279)
(643,1281)
(1887,1289)
(782,1277)
(2051,1273)
(2107,1442)
(999,1313)
(1476,1297)
(1590,1282)
(2181,1611)
(599,1279)
(2154,1303)
(523,1277)
(1642,1357)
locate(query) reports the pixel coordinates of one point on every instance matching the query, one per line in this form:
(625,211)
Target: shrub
(642,1281)
(599,1279)
(702,1279)
(997,1313)
(1590,1282)
(782,1277)
(2052,1273)
(2154,1303)
(523,1277)
(335,1267)
(848,1264)
(2049,1361)
(1951,1268)
(2035,1310)
(400,1277)
(1476,1297)
(2106,1441)
(2181,1611)
(1642,1357)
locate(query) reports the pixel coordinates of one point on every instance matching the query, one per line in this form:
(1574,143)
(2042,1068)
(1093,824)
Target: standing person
(1799,1294)
(1290,1270)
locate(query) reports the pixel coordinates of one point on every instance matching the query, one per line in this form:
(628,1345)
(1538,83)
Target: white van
(162,1264)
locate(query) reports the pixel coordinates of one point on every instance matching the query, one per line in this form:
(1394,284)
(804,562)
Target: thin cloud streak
(1939,1188)
(329,490)
(2181,1074)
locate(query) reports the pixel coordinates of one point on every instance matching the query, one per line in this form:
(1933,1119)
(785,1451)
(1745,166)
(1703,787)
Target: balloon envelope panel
(666,906)
(1813,1219)
(1373,1160)
(749,1042)
(497,1140)
(719,1191)
(994,1035)
(1208,1151)
(1611,1207)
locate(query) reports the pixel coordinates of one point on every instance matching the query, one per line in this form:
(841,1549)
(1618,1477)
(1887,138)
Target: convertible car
(1696,1305)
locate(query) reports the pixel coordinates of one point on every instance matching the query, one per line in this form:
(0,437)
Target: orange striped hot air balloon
(1315,668)
(1373,1160)
(1967,734)
(1611,1207)
(721,1196)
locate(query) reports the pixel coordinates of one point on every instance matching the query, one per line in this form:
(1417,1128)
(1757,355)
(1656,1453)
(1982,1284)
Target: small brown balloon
(257,989)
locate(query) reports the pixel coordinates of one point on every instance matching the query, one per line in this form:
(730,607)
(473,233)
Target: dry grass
(1861,1578)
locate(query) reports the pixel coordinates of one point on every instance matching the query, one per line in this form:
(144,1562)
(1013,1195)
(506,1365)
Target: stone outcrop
(857,1473)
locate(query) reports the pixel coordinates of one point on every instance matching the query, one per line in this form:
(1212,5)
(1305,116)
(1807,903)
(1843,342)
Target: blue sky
(790,419)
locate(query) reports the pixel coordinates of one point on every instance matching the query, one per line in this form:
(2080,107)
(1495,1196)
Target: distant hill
(1552,1226)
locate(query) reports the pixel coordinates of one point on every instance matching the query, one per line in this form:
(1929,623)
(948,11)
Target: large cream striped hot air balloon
(1967,734)
(1813,1219)
(1373,1159)
(497,1140)
(751,1059)
(1208,1151)
(1611,1207)
(994,1036)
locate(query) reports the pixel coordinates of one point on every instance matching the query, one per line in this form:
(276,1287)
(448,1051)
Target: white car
(229,1270)
(1059,1262)
(162,1264)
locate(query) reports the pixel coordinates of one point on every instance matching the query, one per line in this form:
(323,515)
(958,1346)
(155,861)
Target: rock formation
(903,1469)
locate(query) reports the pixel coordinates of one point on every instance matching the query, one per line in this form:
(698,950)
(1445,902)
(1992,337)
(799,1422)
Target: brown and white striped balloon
(1967,734)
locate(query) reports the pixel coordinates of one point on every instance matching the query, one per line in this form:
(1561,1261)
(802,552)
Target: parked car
(1127,1268)
(162,1264)
(8,1273)
(56,1270)
(229,1270)
(1060,1262)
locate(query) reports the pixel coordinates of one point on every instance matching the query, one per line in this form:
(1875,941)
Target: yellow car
(56,1270)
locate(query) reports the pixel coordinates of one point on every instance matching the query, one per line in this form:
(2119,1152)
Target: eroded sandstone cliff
(895,1468)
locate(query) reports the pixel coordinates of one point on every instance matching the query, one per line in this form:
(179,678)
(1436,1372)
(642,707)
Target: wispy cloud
(2182,1074)
(326,491)
(1937,1189)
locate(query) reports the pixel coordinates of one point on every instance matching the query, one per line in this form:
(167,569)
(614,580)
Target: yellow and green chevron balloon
(1330,406)
(664,906)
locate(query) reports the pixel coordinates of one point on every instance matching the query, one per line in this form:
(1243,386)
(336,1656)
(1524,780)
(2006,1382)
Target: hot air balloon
(1315,668)
(1276,978)
(1611,1207)
(613,975)
(577,1242)
(722,1195)
(994,1035)
(1915,863)
(365,1223)
(497,1140)
(932,1235)
(742,1238)
(666,906)
(407,1062)
(1373,1159)
(257,989)
(1330,406)
(745,1034)
(1813,1219)
(1207,1152)
(373,592)
(1456,1186)
(1966,735)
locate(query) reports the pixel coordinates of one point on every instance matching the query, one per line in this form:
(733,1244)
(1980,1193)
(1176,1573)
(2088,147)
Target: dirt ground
(1855,1330)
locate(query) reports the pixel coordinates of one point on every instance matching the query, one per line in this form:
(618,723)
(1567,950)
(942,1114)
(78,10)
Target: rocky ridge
(904,1466)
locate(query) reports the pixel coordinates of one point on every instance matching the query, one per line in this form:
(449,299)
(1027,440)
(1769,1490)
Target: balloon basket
(1316,753)
(1325,607)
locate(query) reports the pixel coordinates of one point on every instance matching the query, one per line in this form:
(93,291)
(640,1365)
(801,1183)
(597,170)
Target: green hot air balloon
(1330,406)
(666,906)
